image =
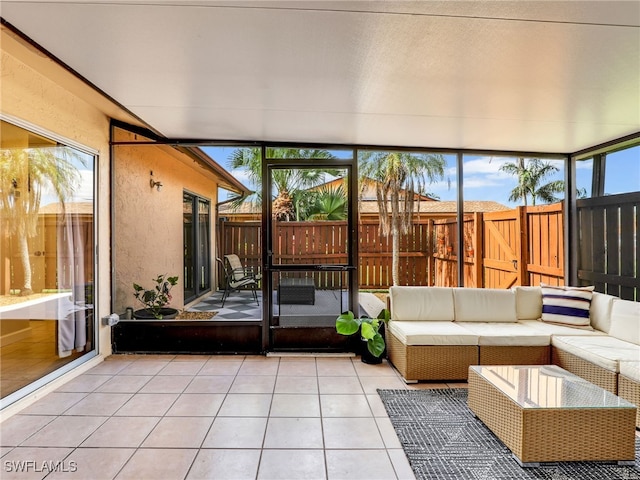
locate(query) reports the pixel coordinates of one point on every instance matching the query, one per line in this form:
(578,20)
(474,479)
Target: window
(47,251)
(622,171)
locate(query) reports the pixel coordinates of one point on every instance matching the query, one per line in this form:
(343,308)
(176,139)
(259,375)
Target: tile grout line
(137,448)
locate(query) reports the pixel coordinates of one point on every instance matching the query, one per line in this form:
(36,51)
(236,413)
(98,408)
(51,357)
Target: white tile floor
(224,417)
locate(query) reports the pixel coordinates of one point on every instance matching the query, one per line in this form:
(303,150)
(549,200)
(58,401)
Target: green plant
(348,324)
(155,299)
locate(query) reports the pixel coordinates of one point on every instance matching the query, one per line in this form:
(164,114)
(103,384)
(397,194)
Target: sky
(83,191)
(483,179)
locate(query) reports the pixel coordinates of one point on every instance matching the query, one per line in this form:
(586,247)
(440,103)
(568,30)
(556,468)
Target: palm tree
(29,172)
(329,204)
(530,181)
(288,183)
(400,178)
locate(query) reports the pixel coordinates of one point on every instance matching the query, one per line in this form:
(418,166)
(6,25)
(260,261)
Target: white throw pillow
(484,305)
(600,311)
(625,321)
(528,302)
(566,305)
(422,303)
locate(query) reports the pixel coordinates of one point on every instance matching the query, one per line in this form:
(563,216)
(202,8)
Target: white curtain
(72,310)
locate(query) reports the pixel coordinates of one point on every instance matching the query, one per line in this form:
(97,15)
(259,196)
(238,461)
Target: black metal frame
(352,251)
(571,261)
(198,262)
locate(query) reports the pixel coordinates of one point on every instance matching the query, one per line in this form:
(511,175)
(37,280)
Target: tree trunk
(395,235)
(23,249)
(395,255)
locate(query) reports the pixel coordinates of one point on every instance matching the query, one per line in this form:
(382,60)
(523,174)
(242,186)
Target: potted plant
(156,299)
(371,332)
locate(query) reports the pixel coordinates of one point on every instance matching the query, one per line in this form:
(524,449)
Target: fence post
(478,249)
(430,251)
(522,246)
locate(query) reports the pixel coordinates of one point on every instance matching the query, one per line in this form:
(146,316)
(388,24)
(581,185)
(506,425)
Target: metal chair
(240,271)
(237,278)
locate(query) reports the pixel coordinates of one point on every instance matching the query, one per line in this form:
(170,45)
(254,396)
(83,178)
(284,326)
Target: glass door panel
(187,226)
(204,247)
(197,246)
(306,299)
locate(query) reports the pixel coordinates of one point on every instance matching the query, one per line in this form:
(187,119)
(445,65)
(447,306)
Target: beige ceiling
(537,76)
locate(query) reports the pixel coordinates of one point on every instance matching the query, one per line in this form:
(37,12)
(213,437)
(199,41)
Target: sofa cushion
(484,305)
(600,311)
(528,302)
(566,305)
(602,350)
(556,329)
(431,333)
(625,321)
(421,303)
(631,370)
(507,334)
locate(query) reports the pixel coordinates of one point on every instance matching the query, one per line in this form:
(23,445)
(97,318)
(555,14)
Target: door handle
(337,268)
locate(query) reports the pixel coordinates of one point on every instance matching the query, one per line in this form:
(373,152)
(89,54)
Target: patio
(241,306)
(479,81)
(229,416)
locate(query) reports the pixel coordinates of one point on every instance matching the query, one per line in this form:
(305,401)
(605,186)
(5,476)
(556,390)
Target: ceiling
(523,75)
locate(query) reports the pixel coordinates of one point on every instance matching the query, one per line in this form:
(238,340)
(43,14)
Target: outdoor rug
(444,441)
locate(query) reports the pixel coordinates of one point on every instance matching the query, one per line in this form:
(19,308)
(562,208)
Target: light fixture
(153,183)
(157,185)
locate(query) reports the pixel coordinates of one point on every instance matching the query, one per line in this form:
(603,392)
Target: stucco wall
(148,223)
(41,101)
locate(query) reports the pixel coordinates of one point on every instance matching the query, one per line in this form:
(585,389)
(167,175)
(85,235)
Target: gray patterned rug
(444,441)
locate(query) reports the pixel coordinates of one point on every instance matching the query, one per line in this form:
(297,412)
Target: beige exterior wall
(40,100)
(148,223)
(38,94)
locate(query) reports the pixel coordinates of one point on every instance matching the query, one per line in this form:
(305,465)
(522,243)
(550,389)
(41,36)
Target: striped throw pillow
(566,305)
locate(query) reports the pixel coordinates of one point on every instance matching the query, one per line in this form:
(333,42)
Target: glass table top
(548,386)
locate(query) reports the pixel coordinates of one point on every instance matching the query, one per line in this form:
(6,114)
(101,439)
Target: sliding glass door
(47,247)
(197,246)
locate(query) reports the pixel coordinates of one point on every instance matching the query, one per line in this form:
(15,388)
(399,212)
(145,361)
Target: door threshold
(312,354)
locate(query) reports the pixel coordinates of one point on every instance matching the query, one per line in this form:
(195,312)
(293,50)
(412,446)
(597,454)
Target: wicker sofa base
(630,391)
(542,435)
(593,373)
(504,355)
(431,362)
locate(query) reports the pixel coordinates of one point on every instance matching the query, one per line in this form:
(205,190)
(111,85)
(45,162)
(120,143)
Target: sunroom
(149,103)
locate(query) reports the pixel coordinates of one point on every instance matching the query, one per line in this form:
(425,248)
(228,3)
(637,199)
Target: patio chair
(240,271)
(234,281)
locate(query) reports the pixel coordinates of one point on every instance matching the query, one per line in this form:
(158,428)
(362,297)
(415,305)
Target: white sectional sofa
(436,333)
(629,384)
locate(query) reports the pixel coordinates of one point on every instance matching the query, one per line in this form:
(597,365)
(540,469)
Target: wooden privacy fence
(523,246)
(326,243)
(608,252)
(59,255)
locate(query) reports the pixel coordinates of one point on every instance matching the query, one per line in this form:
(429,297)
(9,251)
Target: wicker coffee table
(545,414)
